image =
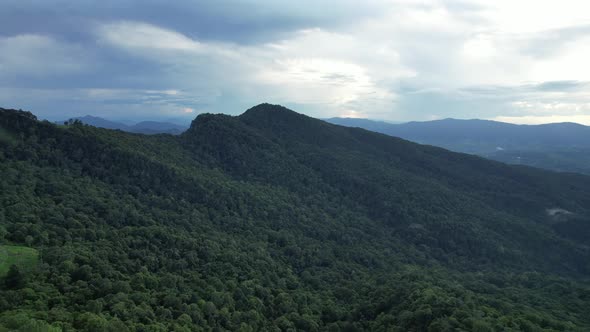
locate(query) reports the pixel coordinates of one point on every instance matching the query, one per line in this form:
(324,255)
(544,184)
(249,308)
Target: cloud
(38,55)
(332,71)
(137,35)
(292,71)
(116,104)
(235,21)
(391,60)
(533,120)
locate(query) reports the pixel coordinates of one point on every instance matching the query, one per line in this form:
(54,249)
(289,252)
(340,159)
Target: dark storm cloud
(244,21)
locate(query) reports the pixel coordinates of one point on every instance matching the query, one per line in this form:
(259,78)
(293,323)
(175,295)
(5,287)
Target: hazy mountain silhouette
(144,127)
(557,146)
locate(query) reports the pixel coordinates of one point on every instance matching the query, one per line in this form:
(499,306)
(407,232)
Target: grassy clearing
(24,257)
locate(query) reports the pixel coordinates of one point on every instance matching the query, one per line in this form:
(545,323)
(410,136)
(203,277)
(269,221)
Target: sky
(517,61)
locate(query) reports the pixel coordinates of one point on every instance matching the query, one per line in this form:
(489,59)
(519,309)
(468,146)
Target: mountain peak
(270,112)
(275,122)
(283,122)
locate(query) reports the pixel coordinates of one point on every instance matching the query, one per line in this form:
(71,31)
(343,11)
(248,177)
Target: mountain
(372,125)
(144,127)
(556,146)
(273,220)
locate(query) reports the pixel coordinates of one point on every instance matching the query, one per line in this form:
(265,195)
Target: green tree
(14,278)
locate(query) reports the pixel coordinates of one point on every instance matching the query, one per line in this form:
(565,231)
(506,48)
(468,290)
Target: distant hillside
(557,146)
(372,125)
(144,127)
(100,122)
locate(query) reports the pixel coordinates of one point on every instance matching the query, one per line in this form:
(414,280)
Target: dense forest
(275,221)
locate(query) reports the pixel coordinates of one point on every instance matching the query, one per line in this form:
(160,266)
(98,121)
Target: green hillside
(274,221)
(23,257)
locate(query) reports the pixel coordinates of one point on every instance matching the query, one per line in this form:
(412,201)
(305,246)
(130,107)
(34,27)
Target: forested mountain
(156,127)
(555,146)
(99,122)
(143,127)
(276,221)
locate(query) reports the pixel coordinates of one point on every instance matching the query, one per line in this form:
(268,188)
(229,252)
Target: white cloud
(313,67)
(148,40)
(541,119)
(530,16)
(138,35)
(338,72)
(357,70)
(480,47)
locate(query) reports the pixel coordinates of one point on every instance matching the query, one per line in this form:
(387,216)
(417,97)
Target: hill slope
(556,146)
(274,220)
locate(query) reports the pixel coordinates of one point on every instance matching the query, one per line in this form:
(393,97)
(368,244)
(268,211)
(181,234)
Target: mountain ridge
(558,146)
(142,127)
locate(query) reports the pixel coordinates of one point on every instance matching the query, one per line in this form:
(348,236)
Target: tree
(14,279)
(3,231)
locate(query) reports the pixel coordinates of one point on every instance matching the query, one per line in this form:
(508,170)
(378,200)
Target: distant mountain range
(556,146)
(144,127)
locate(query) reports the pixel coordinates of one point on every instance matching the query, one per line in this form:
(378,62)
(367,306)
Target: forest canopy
(276,221)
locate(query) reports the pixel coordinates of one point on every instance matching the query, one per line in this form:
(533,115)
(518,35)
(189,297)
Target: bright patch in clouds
(480,47)
(145,36)
(351,114)
(531,16)
(333,83)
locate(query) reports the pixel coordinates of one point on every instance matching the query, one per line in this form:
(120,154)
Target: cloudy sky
(519,61)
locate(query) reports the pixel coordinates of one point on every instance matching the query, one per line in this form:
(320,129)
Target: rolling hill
(273,220)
